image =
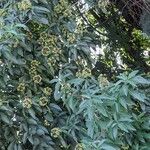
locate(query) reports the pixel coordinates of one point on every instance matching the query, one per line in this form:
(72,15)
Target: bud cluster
(79,146)
(47,40)
(43,101)
(125,147)
(24,5)
(55,132)
(33,71)
(46,123)
(49,48)
(2,12)
(47,91)
(85,73)
(15,43)
(37,79)
(66,88)
(29,35)
(27,102)
(103,80)
(63,8)
(36,28)
(21,87)
(81,62)
(80,28)
(2,23)
(71,38)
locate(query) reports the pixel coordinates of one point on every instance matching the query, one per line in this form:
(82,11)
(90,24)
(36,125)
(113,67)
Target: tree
(53,95)
(120,20)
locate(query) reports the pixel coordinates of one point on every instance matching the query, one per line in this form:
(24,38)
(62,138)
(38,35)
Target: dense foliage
(56,93)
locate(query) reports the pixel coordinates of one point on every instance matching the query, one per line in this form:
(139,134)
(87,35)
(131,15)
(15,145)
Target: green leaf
(138,96)
(141,80)
(71,25)
(24,139)
(125,118)
(57,93)
(19,147)
(115,132)
(40,132)
(5,118)
(108,147)
(63,142)
(20,52)
(36,141)
(123,127)
(30,138)
(130,127)
(31,121)
(117,107)
(90,126)
(103,111)
(22,26)
(125,89)
(11,146)
(133,74)
(42,20)
(55,106)
(15,147)
(123,102)
(72,103)
(10,57)
(38,9)
(32,113)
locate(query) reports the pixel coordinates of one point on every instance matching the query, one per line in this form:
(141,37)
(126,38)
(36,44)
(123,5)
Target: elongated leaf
(138,96)
(40,9)
(133,74)
(141,80)
(57,93)
(125,89)
(123,127)
(11,146)
(108,147)
(123,102)
(5,118)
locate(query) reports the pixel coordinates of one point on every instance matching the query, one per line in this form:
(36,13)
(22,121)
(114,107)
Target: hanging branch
(87,22)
